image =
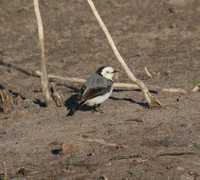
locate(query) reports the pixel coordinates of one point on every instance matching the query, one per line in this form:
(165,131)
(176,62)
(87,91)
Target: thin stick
(102,142)
(176,153)
(116,85)
(44,77)
(174,90)
(81,81)
(148,73)
(150,99)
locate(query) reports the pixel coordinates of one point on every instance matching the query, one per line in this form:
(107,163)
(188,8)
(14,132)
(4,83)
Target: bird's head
(107,72)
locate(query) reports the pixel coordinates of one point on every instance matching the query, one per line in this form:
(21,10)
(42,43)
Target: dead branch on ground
(44,77)
(123,86)
(102,142)
(152,101)
(126,86)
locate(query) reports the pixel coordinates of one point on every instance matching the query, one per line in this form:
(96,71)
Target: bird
(96,90)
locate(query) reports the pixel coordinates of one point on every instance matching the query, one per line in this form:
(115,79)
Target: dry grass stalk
(152,101)
(44,77)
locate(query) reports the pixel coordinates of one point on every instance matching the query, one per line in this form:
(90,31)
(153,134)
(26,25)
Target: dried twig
(147,72)
(152,101)
(102,142)
(174,90)
(81,81)
(176,153)
(138,120)
(44,77)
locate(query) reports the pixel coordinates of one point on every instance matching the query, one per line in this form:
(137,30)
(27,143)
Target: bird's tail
(73,104)
(73,110)
(76,105)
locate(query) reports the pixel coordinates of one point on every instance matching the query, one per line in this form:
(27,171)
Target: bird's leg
(97,108)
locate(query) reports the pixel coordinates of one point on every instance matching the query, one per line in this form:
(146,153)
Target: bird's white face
(108,72)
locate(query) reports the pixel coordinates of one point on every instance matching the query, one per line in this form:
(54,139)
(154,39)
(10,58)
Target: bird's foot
(97,109)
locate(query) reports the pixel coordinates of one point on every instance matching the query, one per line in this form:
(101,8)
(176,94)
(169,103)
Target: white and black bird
(97,89)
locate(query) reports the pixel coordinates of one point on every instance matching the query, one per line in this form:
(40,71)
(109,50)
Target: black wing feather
(93,92)
(95,85)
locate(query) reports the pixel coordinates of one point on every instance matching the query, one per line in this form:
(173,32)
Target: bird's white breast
(99,99)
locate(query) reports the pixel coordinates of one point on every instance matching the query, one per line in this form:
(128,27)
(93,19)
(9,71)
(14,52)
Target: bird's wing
(90,93)
(95,86)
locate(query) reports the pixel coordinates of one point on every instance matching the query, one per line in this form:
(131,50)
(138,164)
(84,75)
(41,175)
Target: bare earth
(138,143)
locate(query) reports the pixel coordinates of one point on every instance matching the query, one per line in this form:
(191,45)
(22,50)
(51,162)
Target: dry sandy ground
(142,144)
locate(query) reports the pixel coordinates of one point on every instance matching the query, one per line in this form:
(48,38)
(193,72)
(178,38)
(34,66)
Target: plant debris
(6,100)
